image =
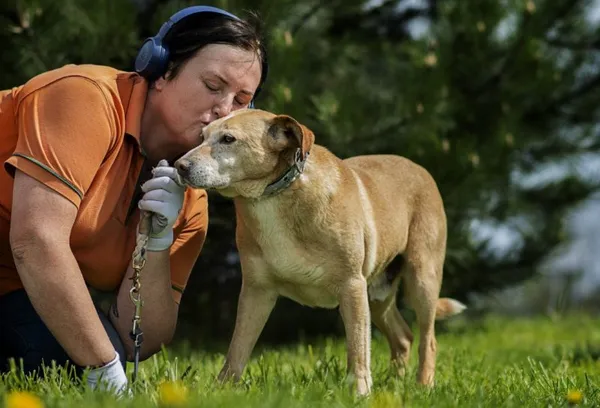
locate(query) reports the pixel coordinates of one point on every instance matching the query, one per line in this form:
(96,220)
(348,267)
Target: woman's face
(216,81)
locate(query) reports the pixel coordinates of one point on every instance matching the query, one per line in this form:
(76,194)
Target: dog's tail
(447,307)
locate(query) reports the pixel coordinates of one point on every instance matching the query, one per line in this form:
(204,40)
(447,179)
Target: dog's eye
(227,139)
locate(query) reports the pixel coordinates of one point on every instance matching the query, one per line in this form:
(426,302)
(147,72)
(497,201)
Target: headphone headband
(181,14)
(153,56)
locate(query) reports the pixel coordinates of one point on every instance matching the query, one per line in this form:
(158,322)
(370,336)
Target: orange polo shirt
(77,130)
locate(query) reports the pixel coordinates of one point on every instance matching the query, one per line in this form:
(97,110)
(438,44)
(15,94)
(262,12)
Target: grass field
(497,362)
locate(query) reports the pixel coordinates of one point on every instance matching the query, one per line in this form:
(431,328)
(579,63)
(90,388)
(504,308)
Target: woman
(75,143)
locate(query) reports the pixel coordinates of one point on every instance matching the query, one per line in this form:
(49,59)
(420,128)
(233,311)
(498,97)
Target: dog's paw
(228,375)
(362,384)
(398,367)
(426,379)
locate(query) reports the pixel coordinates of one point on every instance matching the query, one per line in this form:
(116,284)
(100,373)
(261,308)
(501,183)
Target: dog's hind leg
(422,292)
(422,282)
(387,318)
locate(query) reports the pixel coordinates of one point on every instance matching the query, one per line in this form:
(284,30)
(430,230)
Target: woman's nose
(223,108)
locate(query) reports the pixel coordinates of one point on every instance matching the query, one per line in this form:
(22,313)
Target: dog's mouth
(196,184)
(199,175)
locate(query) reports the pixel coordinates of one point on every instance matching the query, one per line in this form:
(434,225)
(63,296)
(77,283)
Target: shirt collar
(133,90)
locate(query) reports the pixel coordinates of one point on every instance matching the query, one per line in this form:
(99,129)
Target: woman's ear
(159,84)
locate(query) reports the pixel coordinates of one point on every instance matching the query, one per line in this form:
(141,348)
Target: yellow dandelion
(23,399)
(430,60)
(574,397)
(530,6)
(480,26)
(172,393)
(287,37)
(385,399)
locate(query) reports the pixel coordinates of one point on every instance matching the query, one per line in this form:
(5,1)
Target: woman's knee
(26,339)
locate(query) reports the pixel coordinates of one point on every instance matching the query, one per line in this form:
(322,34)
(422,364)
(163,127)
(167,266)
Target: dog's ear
(286,132)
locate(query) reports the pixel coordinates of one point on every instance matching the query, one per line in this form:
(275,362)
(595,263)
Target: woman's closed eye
(211,87)
(241,102)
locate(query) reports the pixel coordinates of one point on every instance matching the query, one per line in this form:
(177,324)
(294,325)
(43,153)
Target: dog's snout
(183,167)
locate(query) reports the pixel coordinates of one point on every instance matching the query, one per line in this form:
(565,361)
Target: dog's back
(396,179)
(400,193)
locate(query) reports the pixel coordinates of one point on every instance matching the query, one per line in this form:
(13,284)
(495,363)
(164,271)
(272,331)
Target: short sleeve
(188,242)
(65,130)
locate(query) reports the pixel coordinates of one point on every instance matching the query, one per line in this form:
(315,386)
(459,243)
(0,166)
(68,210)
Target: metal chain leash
(138,262)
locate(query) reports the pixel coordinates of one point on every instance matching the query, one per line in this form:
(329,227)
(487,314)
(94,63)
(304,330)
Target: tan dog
(323,231)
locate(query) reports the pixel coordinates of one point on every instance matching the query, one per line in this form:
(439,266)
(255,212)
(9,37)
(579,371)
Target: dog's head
(243,152)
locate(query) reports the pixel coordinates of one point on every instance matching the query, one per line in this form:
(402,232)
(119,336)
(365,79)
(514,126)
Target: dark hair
(190,35)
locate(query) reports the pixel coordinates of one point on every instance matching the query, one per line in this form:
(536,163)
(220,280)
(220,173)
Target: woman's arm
(41,224)
(163,198)
(159,310)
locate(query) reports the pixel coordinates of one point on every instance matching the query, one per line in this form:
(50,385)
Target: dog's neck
(309,197)
(284,178)
(287,178)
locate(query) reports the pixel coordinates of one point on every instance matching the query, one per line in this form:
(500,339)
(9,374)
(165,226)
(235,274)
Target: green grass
(490,363)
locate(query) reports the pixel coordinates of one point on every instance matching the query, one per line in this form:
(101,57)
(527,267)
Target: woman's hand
(164,198)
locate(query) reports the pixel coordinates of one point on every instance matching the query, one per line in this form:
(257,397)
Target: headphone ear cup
(152,59)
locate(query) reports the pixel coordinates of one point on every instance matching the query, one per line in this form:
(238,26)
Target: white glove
(110,377)
(164,197)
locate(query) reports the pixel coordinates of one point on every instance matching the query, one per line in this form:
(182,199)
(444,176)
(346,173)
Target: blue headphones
(153,56)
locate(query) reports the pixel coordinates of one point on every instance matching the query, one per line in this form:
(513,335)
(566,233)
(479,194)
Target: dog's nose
(183,167)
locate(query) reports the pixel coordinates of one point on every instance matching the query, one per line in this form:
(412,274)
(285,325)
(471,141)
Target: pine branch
(148,9)
(433,8)
(370,23)
(304,18)
(574,45)
(553,108)
(523,35)
(12,16)
(558,148)
(495,78)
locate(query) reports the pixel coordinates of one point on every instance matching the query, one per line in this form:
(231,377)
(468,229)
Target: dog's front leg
(354,308)
(254,307)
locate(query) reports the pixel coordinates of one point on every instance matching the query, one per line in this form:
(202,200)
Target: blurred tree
(39,35)
(484,94)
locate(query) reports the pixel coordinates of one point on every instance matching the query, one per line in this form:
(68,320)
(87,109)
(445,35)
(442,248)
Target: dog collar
(289,176)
